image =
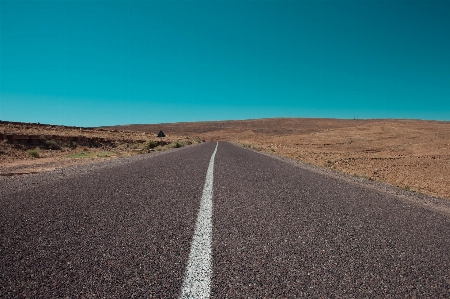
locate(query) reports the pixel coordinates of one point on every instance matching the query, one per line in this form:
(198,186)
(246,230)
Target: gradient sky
(92,63)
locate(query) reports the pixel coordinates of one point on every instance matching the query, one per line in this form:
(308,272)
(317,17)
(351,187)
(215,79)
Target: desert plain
(413,155)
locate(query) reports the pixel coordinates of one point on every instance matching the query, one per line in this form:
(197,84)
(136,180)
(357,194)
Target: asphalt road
(277,231)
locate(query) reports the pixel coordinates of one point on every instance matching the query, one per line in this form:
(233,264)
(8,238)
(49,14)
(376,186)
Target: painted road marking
(197,278)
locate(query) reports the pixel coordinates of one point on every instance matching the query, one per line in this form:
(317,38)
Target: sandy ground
(410,154)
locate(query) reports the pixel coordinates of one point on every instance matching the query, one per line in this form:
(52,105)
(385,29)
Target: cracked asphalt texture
(279,231)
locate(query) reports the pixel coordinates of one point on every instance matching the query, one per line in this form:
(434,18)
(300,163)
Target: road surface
(217,221)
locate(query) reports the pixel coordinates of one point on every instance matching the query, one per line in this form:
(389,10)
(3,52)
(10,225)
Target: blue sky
(93,63)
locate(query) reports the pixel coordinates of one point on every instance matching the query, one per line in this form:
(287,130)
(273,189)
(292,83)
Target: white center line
(197,278)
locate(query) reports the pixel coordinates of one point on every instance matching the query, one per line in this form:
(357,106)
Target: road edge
(432,203)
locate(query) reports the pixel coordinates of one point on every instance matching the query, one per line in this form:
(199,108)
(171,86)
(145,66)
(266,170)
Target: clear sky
(92,63)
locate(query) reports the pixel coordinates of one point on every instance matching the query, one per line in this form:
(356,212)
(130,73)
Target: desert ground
(29,147)
(411,154)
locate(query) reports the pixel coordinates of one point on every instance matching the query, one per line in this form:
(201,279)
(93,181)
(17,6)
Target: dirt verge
(29,148)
